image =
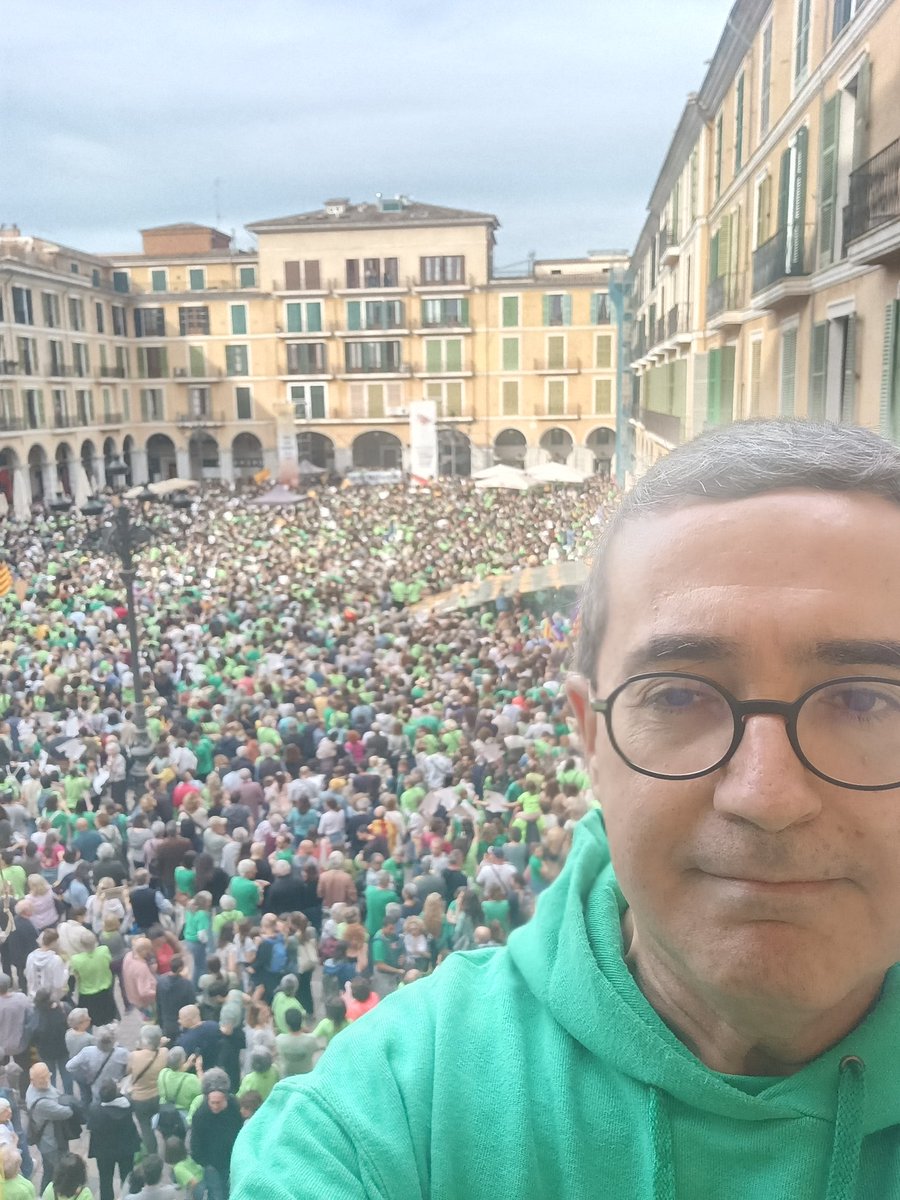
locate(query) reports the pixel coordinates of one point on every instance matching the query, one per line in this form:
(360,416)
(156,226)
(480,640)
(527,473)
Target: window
(158,280)
(695,182)
(76,314)
(152,404)
(375,314)
(844,12)
(763,210)
(23,313)
(801,42)
(50,305)
(371,272)
(509,347)
(890,372)
(95,277)
(739,124)
(121,281)
(828,177)
(80,360)
(197,279)
(152,362)
(28,356)
(301,276)
(84,406)
(197,367)
(556,353)
(150,322)
(7,407)
(509,312)
(818,371)
(558,310)
(306,358)
(238,318)
(122,367)
(60,408)
(34,409)
(308,400)
(199,402)
(600,308)
(447,395)
(765,81)
(120,328)
(556,397)
(126,406)
(372,356)
(237,360)
(840,378)
(720,386)
(304,318)
(603,352)
(57,359)
(788,372)
(602,397)
(244,401)
(438,269)
(755,375)
(509,397)
(792,201)
(717,160)
(246,279)
(98,315)
(106,402)
(193,319)
(443,355)
(441,311)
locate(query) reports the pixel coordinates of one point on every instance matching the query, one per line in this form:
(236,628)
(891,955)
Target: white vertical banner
(423,439)
(286,448)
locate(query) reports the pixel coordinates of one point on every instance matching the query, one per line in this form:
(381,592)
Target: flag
(6,579)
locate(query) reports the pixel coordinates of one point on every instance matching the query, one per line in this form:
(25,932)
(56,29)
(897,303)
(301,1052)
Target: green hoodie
(541,1071)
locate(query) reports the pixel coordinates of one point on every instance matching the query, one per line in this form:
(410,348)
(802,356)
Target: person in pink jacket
(138,976)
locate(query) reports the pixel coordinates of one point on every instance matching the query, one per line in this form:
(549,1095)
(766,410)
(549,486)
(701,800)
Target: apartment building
(193,359)
(765,279)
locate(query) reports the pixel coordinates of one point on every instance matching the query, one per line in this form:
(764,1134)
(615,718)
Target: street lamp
(122,536)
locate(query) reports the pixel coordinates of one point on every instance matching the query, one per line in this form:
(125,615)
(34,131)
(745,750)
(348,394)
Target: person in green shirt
(377,900)
(245,890)
(94,979)
(186,1173)
(262,1076)
(285,1001)
(69,1181)
(177,1083)
(15,1185)
(333,1022)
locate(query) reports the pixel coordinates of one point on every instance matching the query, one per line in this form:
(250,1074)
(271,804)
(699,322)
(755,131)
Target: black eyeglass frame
(740,710)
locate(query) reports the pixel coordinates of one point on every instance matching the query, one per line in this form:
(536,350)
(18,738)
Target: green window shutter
(510,354)
(890,376)
(511,311)
(244,405)
(248,277)
(546,300)
(714,257)
(739,125)
(726,412)
(567,310)
(464,313)
(556,398)
(354,320)
(432,356)
(163,363)
(196,280)
(714,387)
(861,117)
(197,360)
(239,318)
(848,394)
(818,367)
(788,371)
(828,178)
(294,318)
(158,280)
(556,353)
(314,317)
(604,351)
(602,397)
(317,402)
(798,214)
(142,362)
(454,354)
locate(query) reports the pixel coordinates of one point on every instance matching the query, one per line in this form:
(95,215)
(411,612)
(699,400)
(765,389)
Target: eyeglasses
(676,726)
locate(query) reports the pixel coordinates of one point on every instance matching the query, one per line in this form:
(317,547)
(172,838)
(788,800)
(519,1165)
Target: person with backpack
(104,1060)
(49,1127)
(270,963)
(178,1088)
(114,1139)
(47,1032)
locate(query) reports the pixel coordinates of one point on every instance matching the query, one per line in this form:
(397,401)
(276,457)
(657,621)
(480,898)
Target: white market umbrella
(551,472)
(279,494)
(21,499)
(517,482)
(498,471)
(164,487)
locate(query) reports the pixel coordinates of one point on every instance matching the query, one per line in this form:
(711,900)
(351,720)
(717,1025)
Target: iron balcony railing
(209,417)
(783,256)
(11,424)
(112,372)
(667,426)
(725,294)
(874,193)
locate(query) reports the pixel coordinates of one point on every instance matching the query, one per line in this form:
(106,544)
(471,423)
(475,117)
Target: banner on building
(287,451)
(423,439)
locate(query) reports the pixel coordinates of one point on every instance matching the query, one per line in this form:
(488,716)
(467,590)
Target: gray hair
(151,1036)
(105,1038)
(176,1058)
(216,1080)
(260,1062)
(750,458)
(76,1016)
(289,985)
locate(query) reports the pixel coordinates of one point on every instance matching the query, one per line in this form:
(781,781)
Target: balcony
(112,373)
(726,301)
(668,427)
(11,424)
(308,368)
(62,420)
(378,369)
(544,366)
(111,418)
(781,268)
(207,375)
(668,247)
(872,218)
(423,371)
(201,420)
(8,366)
(452,323)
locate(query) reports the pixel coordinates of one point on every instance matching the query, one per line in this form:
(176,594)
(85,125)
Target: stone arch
(128,459)
(162,462)
(602,444)
(203,456)
(377,451)
(557,442)
(246,456)
(110,455)
(9,466)
(64,469)
(510,446)
(37,471)
(318,448)
(454,452)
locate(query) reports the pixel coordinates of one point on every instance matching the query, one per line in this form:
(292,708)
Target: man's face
(217,1101)
(759,881)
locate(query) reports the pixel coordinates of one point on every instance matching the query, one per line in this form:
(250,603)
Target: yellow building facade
(765,279)
(196,360)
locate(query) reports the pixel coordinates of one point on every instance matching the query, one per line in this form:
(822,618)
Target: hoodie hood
(572,958)
(120,1108)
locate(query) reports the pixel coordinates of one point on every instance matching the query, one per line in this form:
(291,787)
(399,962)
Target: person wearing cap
(495,871)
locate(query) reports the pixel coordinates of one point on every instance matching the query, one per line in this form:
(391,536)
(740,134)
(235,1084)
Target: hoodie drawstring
(843,1170)
(661,1135)
(848,1126)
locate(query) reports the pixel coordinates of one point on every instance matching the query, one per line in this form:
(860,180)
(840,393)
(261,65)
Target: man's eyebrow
(881,652)
(683,647)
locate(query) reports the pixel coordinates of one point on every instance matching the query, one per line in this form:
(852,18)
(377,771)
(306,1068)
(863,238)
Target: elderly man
(47,1120)
(706,1002)
(336,885)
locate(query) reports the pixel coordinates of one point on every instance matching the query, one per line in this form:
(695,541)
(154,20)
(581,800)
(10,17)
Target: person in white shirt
(495,871)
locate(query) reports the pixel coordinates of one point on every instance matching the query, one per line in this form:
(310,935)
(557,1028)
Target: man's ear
(578,693)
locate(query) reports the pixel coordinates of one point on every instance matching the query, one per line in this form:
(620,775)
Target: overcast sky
(554,116)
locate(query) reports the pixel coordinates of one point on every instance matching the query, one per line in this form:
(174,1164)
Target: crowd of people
(342,789)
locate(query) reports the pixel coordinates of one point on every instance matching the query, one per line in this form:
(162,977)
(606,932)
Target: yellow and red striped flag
(6,579)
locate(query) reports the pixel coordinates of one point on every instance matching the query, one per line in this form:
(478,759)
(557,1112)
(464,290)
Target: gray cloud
(116,116)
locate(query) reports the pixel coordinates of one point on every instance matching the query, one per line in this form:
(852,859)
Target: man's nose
(765,782)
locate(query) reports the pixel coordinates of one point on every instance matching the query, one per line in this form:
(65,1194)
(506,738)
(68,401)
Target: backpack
(278,961)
